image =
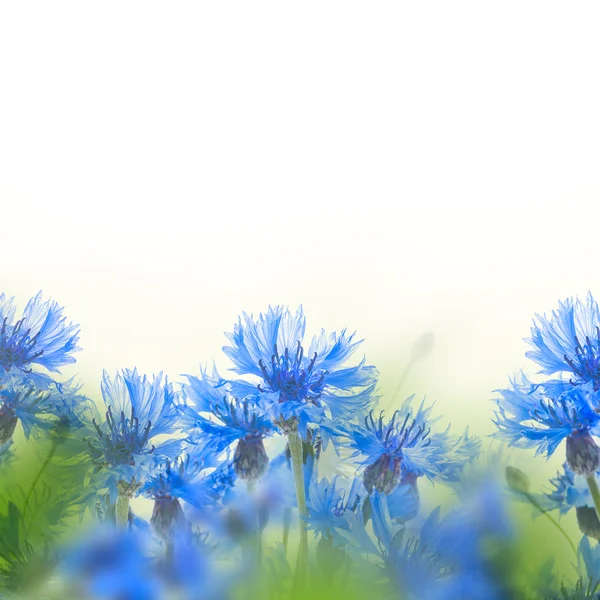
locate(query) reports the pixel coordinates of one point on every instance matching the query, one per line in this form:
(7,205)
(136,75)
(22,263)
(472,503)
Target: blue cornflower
(299,386)
(328,503)
(402,449)
(40,337)
(196,478)
(226,420)
(528,418)
(569,491)
(54,406)
(124,446)
(569,341)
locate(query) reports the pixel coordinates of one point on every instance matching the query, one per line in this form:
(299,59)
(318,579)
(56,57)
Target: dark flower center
(586,362)
(124,439)
(17,348)
(293,377)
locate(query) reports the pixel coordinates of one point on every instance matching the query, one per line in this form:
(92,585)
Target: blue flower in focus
(402,449)
(528,418)
(225,420)
(40,337)
(124,445)
(299,385)
(569,341)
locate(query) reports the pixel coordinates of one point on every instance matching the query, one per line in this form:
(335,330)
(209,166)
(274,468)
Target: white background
(397,167)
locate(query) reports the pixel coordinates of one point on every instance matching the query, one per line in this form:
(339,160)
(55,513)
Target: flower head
(328,502)
(225,420)
(404,448)
(40,337)
(139,409)
(528,418)
(569,341)
(299,384)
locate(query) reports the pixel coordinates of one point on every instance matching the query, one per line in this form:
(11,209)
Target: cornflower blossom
(568,342)
(196,478)
(528,418)
(41,337)
(328,501)
(54,407)
(299,386)
(124,446)
(399,451)
(225,420)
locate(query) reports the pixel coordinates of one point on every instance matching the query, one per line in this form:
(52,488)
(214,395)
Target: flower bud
(383,475)
(517,480)
(8,422)
(250,460)
(583,454)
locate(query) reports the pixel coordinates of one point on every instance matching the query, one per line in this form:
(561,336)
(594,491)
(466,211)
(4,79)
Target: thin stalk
(122,507)
(552,520)
(401,383)
(258,534)
(295,445)
(287,520)
(595,492)
(45,464)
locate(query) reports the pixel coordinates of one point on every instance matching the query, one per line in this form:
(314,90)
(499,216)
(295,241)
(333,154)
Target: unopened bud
(583,454)
(517,480)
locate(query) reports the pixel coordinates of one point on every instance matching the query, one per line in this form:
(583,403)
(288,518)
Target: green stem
(39,474)
(287,519)
(122,506)
(296,453)
(595,492)
(552,520)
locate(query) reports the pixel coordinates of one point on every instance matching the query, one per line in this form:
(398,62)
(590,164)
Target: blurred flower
(40,337)
(124,446)
(111,564)
(298,385)
(191,478)
(328,502)
(48,409)
(569,341)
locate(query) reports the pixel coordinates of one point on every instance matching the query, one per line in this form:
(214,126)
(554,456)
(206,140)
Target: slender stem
(122,506)
(251,484)
(401,382)
(552,520)
(287,519)
(295,445)
(595,492)
(39,474)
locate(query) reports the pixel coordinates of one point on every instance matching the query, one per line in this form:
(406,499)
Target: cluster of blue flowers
(188,489)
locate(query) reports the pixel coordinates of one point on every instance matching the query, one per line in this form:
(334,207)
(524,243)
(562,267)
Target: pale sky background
(395,167)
